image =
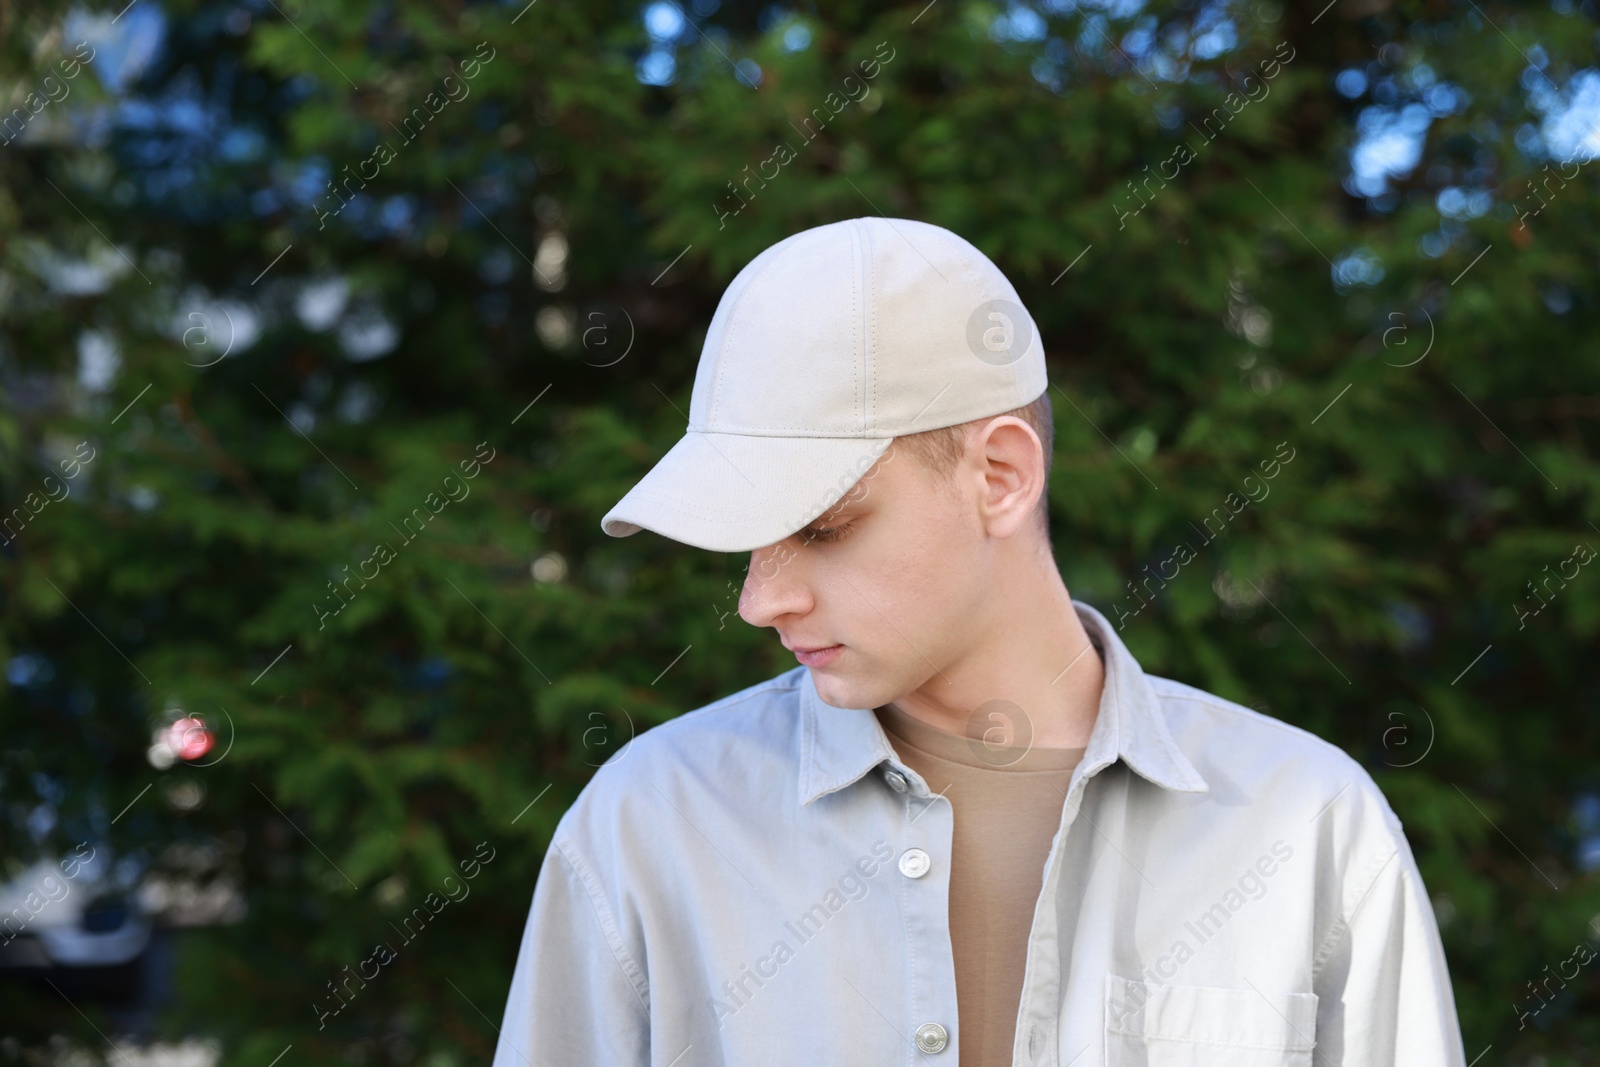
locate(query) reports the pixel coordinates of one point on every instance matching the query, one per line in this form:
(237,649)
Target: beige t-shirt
(1007,811)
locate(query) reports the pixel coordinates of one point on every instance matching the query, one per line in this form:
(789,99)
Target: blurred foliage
(1427,350)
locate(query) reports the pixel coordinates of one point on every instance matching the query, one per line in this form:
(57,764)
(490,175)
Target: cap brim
(730,492)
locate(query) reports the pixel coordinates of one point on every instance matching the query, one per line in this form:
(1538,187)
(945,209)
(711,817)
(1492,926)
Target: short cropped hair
(940,450)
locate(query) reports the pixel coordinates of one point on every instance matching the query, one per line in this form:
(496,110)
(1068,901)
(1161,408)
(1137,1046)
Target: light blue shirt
(762,882)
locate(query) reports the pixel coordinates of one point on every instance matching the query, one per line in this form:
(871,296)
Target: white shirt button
(914,863)
(896,780)
(931,1037)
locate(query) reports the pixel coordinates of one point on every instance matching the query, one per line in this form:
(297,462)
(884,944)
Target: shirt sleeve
(1383,988)
(578,997)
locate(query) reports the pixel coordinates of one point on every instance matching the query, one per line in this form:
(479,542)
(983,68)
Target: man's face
(898,585)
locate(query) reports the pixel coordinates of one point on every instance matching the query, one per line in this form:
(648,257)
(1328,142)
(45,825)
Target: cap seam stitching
(725,341)
(869,298)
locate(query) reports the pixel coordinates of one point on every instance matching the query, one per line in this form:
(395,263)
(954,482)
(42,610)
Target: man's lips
(817,657)
(806,648)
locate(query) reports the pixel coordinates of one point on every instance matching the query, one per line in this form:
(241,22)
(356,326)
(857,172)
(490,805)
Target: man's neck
(1034,678)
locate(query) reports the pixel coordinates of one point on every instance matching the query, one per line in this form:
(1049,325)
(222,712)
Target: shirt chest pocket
(1151,1024)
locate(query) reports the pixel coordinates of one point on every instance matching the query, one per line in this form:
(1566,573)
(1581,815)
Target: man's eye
(827,533)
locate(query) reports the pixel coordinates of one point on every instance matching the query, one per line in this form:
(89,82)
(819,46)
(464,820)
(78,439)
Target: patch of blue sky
(664,22)
(1388,145)
(1443,99)
(124,47)
(397,213)
(1350,82)
(1117,9)
(1359,267)
(241,144)
(1571,126)
(307,180)
(1140,41)
(656,67)
(796,37)
(1214,32)
(1019,23)
(1457,202)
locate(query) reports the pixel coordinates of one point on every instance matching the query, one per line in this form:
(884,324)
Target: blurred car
(77,923)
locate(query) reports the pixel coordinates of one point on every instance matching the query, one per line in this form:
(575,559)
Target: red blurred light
(189,738)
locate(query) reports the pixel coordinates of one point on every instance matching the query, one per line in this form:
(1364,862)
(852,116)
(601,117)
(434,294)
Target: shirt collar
(839,745)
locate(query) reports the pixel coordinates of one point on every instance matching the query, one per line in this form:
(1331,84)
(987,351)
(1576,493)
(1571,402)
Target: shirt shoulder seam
(625,961)
(1211,700)
(1172,689)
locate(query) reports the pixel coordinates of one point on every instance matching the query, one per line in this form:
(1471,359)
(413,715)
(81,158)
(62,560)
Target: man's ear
(1011,463)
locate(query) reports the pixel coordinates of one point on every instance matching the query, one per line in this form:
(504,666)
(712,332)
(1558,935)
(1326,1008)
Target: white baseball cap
(823,349)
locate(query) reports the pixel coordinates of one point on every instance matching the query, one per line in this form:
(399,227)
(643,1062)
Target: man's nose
(773,585)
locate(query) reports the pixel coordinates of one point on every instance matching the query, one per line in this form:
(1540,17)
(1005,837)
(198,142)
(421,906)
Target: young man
(967,827)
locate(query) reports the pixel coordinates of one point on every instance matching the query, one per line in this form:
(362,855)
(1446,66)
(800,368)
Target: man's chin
(840,692)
